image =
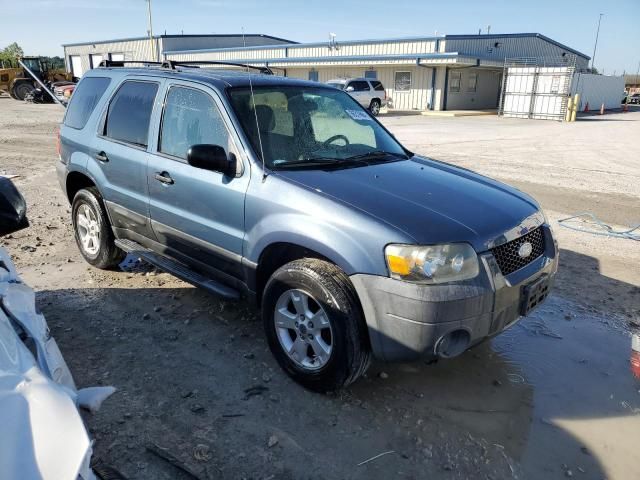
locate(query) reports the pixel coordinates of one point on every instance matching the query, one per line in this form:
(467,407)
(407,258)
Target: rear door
(361,92)
(197,212)
(120,155)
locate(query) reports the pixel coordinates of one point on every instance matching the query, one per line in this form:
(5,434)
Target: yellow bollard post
(576,104)
(567,117)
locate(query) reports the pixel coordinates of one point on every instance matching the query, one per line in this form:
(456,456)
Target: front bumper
(407,320)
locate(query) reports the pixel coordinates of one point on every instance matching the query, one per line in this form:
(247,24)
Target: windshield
(338,85)
(309,127)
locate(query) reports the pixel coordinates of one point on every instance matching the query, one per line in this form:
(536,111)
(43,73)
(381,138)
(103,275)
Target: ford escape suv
(290,193)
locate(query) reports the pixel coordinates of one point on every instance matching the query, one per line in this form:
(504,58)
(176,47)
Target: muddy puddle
(556,392)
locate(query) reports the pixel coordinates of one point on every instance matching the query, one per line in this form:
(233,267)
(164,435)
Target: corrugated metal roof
(400,39)
(517,35)
(206,35)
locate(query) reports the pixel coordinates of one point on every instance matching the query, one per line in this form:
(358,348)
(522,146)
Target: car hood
(431,201)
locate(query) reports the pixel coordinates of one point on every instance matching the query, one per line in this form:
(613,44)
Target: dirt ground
(553,397)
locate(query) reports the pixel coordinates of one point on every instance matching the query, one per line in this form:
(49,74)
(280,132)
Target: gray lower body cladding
(409,321)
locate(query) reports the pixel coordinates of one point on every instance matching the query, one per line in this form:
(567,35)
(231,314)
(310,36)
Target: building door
(76,65)
(95,58)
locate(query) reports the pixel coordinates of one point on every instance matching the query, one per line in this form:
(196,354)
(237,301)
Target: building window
(472,83)
(555,84)
(371,74)
(313,75)
(403,81)
(454,81)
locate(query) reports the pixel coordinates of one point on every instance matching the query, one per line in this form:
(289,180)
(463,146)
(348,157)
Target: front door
(196,212)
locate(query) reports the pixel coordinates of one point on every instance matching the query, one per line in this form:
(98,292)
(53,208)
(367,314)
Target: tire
(21,90)
(328,289)
(374,107)
(101,252)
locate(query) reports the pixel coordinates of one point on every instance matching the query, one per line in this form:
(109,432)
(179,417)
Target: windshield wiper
(307,163)
(377,154)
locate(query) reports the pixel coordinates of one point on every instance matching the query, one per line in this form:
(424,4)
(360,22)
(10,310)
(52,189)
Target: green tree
(9,55)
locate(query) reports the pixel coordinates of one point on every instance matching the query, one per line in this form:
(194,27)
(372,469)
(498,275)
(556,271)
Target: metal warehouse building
(80,57)
(451,72)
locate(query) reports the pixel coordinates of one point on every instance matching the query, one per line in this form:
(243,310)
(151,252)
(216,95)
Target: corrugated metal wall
(132,49)
(414,99)
(598,89)
(408,47)
(485,96)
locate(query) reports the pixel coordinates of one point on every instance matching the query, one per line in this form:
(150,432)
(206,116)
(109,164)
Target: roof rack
(122,63)
(172,64)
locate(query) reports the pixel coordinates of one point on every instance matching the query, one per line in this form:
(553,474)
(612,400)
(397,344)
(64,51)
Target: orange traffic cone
(586,108)
(602,109)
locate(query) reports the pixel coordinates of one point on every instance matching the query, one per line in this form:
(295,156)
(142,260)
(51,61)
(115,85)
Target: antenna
(255,113)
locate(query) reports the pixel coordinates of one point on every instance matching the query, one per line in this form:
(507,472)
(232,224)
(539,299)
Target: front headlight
(449,262)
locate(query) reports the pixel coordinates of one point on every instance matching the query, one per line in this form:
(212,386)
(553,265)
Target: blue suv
(290,193)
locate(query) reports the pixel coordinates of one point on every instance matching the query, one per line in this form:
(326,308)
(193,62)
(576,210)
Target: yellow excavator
(20,82)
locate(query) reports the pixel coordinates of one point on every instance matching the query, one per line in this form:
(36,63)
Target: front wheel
(314,325)
(21,90)
(374,107)
(92,230)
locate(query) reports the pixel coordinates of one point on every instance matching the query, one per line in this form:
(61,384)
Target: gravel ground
(550,398)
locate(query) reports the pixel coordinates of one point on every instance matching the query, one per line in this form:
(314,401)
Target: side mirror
(13,209)
(211,157)
(350,88)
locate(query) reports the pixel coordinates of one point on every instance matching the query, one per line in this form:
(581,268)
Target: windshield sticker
(358,114)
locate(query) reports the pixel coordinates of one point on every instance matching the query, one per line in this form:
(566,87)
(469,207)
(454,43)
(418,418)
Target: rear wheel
(374,107)
(92,230)
(21,89)
(314,325)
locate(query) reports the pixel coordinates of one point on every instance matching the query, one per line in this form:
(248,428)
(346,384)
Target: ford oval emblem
(525,250)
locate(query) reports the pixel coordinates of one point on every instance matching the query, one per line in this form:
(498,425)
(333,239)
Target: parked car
(368,93)
(64,92)
(290,193)
(43,435)
(634,98)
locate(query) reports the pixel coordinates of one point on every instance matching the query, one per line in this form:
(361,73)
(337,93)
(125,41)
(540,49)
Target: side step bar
(177,269)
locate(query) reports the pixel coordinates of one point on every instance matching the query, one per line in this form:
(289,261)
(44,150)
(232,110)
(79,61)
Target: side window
(360,86)
(454,81)
(403,81)
(190,117)
(473,82)
(377,86)
(129,112)
(85,98)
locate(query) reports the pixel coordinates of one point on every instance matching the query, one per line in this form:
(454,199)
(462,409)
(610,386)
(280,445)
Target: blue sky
(51,23)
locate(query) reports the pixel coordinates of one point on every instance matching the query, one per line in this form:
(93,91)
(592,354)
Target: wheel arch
(277,254)
(76,181)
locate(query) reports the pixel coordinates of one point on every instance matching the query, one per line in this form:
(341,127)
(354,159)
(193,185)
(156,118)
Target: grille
(507,255)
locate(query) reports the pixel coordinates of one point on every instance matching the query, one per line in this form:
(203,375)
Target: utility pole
(153,43)
(595,46)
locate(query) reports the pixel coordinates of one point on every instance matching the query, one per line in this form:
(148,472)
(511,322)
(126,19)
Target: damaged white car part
(42,436)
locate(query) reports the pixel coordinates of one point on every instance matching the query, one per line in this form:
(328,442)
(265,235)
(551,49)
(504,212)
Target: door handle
(102,157)
(164,177)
